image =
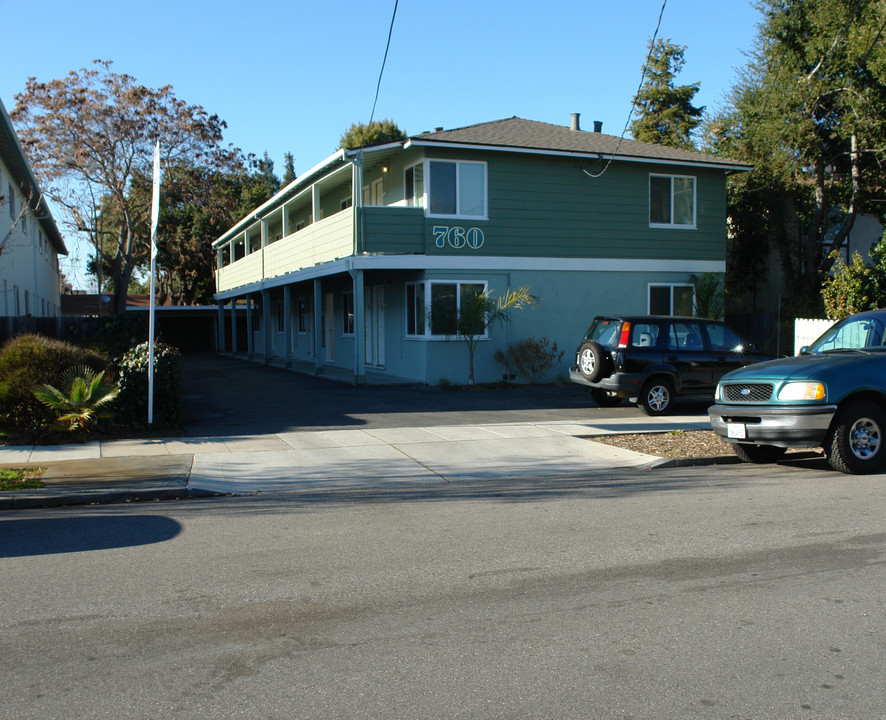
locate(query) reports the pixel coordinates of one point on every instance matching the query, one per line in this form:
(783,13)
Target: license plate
(736,430)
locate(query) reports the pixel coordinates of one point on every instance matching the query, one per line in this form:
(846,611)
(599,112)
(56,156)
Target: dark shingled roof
(533,135)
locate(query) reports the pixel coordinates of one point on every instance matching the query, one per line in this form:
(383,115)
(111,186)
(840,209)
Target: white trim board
(483,263)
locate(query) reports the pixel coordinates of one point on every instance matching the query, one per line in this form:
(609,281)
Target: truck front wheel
(855,444)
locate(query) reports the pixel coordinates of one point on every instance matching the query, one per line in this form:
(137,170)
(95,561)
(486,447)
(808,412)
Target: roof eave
(299,183)
(13,155)
(728,166)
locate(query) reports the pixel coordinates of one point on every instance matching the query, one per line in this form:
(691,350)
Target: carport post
(287,324)
(234,326)
(266,324)
(221,327)
(250,340)
(359,334)
(318,330)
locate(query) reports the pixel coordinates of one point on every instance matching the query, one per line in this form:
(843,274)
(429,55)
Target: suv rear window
(604,331)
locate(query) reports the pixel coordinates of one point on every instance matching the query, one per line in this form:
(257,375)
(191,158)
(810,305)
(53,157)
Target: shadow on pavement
(28,537)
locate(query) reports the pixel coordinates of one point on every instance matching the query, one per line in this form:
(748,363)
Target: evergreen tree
(378,131)
(809,112)
(288,169)
(666,115)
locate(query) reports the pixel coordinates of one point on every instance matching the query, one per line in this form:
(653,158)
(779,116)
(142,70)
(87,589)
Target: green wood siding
(393,230)
(543,206)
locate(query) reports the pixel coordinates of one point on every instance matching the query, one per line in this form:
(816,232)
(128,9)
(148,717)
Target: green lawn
(21,478)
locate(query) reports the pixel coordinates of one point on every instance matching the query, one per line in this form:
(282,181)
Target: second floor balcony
(263,252)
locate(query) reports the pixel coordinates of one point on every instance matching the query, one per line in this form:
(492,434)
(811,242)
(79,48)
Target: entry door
(375,326)
(329,329)
(378,192)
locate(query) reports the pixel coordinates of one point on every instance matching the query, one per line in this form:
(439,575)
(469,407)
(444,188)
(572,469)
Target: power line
(634,100)
(384,61)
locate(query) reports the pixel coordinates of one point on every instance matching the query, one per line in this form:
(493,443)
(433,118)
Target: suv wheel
(855,444)
(605,398)
(760,454)
(656,397)
(591,361)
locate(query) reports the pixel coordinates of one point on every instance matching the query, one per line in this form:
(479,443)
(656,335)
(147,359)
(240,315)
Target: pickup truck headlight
(802,391)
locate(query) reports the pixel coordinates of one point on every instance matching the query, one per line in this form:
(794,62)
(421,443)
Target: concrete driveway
(231,396)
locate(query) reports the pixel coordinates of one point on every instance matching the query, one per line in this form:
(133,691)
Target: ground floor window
(303,315)
(415,309)
(280,318)
(671,299)
(435,307)
(347,313)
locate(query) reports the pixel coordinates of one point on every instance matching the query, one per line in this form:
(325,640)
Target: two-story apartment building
(351,265)
(30,242)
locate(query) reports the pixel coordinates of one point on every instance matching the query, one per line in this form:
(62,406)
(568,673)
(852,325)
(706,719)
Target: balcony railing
(328,239)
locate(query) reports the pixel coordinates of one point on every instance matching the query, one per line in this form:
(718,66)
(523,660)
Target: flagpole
(155,215)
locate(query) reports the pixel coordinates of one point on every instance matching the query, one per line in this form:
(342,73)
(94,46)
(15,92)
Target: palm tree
(479,311)
(82,399)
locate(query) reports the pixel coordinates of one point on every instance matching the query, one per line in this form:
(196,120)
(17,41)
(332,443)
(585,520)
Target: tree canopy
(809,112)
(90,136)
(665,113)
(378,131)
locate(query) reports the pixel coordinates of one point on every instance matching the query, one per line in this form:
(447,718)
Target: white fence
(807,329)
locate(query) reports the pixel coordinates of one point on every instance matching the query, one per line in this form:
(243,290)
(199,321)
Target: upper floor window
(671,201)
(10,201)
(414,177)
(457,188)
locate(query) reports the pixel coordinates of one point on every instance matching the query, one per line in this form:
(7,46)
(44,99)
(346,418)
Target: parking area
(223,395)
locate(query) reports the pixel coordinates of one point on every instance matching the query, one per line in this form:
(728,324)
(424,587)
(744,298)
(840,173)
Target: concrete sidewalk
(323,460)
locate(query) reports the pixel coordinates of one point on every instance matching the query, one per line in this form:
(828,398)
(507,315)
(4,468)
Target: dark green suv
(832,395)
(655,358)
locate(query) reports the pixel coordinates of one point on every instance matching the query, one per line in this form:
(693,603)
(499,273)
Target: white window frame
(672,287)
(421,311)
(458,165)
(672,224)
(428,297)
(417,199)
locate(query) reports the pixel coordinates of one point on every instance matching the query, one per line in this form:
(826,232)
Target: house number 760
(458,237)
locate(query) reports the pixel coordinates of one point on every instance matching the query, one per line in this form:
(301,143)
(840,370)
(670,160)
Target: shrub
(81,399)
(131,405)
(26,363)
(530,359)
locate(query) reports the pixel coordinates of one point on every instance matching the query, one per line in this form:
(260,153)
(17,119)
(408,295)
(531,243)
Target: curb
(693,462)
(100,497)
(50,499)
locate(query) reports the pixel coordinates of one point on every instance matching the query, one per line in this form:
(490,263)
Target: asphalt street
(709,592)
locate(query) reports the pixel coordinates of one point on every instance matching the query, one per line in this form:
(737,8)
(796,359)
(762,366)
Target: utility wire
(634,100)
(384,61)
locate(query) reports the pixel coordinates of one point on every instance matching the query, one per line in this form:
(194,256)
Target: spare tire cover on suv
(592,362)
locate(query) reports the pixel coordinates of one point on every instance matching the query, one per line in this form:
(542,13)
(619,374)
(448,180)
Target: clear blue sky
(292,76)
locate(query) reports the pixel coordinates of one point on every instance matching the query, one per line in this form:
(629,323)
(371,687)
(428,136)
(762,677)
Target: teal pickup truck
(832,395)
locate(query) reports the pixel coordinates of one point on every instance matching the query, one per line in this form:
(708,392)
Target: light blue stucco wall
(567,303)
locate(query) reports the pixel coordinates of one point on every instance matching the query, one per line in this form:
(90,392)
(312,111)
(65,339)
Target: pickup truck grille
(748,392)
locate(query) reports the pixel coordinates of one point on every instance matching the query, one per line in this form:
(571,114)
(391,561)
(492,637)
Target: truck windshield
(851,334)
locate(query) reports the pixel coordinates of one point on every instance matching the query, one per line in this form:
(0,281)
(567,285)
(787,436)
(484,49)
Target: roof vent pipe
(598,126)
(574,126)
